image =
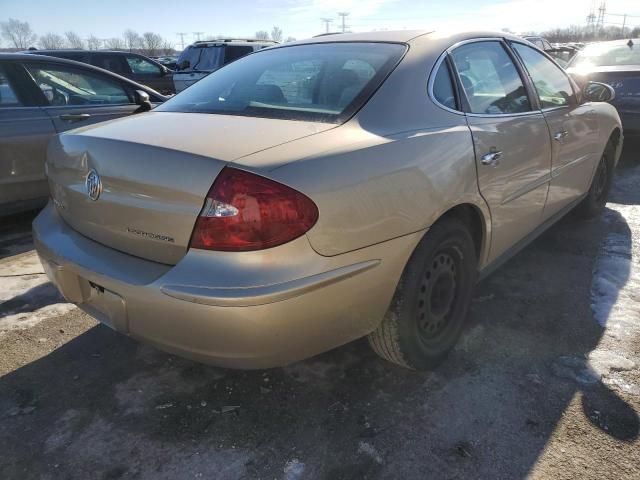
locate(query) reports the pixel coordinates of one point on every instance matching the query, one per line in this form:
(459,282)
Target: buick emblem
(93,184)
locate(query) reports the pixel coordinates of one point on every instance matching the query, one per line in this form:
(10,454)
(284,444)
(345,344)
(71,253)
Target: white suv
(201,58)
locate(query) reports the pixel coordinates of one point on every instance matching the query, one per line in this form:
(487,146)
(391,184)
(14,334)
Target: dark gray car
(43,96)
(133,66)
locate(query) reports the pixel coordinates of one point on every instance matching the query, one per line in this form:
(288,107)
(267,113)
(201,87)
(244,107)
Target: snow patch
(615,298)
(293,469)
(26,295)
(365,448)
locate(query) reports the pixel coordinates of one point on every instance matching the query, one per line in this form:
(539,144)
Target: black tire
(596,198)
(430,306)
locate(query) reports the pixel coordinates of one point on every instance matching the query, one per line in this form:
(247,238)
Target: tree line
(20,36)
(581,33)
(277,35)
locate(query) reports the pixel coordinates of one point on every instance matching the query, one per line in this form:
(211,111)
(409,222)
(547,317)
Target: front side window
(490,80)
(552,85)
(323,82)
(141,66)
(8,97)
(64,86)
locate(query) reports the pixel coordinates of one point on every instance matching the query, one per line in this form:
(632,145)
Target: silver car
(41,97)
(313,193)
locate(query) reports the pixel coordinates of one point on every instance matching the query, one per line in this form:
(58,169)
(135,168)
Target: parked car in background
(310,194)
(540,42)
(43,96)
(562,53)
(616,63)
(133,66)
(171,62)
(198,60)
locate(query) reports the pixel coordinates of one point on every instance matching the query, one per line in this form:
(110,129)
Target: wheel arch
(478,220)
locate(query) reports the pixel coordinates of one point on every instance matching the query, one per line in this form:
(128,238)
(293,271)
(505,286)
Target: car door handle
(559,136)
(491,159)
(74,117)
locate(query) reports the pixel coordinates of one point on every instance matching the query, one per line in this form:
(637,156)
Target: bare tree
(74,40)
(51,41)
(151,43)
(167,48)
(18,33)
(262,35)
(131,40)
(114,43)
(93,42)
(276,34)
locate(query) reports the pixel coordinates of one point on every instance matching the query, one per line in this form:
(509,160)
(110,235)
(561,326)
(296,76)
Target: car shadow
(104,406)
(31,300)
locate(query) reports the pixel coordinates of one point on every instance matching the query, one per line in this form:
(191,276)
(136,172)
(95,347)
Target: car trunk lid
(153,175)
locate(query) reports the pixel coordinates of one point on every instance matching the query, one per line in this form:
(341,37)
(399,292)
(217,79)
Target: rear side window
(324,82)
(8,96)
(552,85)
(64,86)
(490,80)
(234,52)
(443,87)
(113,63)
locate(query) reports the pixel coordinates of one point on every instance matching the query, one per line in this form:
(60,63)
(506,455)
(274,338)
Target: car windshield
(325,82)
(604,54)
(205,58)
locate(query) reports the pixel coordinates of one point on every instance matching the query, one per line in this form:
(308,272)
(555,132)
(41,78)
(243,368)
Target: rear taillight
(245,212)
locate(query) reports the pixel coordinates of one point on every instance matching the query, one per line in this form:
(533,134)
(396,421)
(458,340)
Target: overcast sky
(299,18)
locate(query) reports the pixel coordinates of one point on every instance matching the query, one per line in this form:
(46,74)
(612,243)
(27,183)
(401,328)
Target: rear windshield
(604,55)
(205,58)
(324,82)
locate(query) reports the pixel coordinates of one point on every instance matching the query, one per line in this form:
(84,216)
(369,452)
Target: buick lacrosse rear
(310,194)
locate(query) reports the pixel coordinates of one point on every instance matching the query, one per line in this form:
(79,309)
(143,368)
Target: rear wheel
(596,198)
(430,305)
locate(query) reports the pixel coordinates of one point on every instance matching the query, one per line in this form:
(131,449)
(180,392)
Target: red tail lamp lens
(244,211)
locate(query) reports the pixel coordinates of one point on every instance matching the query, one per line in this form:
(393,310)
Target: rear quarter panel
(392,170)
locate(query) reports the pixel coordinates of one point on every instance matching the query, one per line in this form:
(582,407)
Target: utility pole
(181,35)
(327,22)
(344,15)
(591,18)
(197,34)
(601,13)
(624,23)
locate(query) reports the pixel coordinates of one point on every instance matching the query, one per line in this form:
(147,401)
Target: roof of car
(404,36)
(78,50)
(235,41)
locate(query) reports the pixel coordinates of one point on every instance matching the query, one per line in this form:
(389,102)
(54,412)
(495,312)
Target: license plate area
(106,306)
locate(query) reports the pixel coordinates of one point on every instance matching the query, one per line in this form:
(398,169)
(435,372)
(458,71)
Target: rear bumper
(241,310)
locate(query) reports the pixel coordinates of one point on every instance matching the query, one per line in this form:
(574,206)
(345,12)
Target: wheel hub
(437,295)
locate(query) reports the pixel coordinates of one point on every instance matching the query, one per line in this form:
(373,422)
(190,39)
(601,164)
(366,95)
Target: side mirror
(184,64)
(599,92)
(163,71)
(142,99)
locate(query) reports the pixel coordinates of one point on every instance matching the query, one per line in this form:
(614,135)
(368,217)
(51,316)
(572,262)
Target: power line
(197,34)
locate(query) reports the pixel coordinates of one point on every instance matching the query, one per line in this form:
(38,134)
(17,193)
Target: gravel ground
(544,383)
